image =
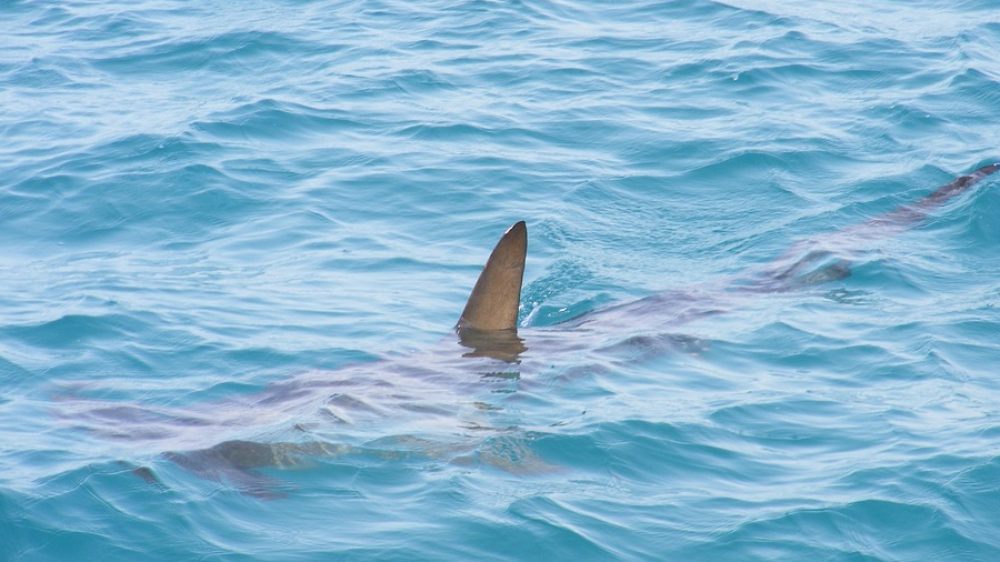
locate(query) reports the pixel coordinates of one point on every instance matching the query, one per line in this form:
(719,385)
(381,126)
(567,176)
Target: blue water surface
(235,237)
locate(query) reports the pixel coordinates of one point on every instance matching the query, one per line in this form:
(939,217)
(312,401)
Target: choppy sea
(235,238)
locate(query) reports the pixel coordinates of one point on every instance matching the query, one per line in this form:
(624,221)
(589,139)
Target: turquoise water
(257,222)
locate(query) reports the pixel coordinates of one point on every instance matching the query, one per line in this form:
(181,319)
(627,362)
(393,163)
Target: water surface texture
(235,237)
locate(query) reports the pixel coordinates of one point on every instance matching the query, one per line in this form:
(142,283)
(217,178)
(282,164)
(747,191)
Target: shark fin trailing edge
(493,304)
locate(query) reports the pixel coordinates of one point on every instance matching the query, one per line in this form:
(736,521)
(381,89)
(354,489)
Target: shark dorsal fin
(494,301)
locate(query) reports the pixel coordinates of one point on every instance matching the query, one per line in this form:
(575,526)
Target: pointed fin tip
(494,301)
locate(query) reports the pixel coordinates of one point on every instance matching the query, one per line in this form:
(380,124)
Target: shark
(486,347)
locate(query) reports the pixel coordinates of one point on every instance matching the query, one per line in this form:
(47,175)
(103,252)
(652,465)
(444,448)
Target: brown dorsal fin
(494,300)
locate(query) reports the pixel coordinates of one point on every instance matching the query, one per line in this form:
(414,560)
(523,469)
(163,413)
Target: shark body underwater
(487,345)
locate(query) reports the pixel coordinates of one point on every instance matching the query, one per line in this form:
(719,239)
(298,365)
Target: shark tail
(778,276)
(908,215)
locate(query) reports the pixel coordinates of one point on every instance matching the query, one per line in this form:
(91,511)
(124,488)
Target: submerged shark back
(490,315)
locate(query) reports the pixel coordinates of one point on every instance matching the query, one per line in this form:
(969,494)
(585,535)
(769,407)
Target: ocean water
(235,238)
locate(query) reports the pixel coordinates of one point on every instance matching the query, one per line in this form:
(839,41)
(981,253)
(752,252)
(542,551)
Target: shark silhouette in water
(489,343)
